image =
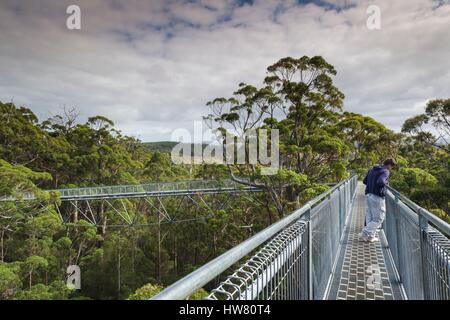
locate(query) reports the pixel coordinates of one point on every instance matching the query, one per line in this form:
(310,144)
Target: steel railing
(277,271)
(291,259)
(420,247)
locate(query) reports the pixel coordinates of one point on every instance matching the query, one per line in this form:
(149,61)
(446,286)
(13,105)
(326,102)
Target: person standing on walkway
(376,182)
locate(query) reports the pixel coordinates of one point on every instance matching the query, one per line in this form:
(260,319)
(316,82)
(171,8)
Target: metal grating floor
(364,270)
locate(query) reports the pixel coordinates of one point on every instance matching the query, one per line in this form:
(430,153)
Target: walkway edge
(341,250)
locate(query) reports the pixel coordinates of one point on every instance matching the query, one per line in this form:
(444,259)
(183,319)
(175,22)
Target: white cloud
(151,66)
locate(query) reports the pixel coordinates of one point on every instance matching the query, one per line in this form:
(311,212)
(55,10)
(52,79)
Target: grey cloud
(152,65)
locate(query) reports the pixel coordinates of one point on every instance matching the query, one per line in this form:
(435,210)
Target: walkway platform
(364,271)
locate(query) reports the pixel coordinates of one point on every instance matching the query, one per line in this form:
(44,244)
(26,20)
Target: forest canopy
(320,143)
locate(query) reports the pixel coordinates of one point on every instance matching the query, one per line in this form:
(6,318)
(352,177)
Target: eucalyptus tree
(298,98)
(426,154)
(370,142)
(433,126)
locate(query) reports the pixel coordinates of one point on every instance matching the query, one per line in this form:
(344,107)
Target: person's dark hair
(390,162)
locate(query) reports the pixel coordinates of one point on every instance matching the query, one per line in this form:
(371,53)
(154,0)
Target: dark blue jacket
(376,180)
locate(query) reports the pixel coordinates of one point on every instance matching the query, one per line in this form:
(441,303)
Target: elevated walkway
(314,253)
(155,189)
(364,270)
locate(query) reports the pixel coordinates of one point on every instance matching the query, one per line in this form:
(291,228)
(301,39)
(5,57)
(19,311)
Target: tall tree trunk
(118,273)
(293,195)
(133,254)
(277,200)
(105,218)
(75,212)
(175,258)
(2,246)
(269,212)
(159,247)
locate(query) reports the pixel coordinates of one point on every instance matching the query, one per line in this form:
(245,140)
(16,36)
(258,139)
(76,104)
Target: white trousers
(375,214)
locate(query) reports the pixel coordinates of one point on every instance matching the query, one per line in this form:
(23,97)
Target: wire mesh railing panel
(327,227)
(436,264)
(298,262)
(273,273)
(410,261)
(390,227)
(419,249)
(335,233)
(322,255)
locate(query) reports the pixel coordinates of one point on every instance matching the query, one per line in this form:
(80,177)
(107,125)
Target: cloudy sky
(151,65)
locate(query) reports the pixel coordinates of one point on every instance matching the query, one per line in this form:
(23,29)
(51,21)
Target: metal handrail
(440,224)
(159,185)
(420,248)
(186,286)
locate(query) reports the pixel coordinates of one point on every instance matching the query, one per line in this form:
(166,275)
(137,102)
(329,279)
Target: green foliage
(160,168)
(441,214)
(425,158)
(146,292)
(149,290)
(9,282)
(57,290)
(318,141)
(312,192)
(167,146)
(369,141)
(319,144)
(15,180)
(410,179)
(199,294)
(43,225)
(432,127)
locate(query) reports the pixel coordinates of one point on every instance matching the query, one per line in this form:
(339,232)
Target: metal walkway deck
(364,270)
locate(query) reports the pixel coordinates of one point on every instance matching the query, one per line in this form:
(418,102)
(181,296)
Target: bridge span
(87,202)
(154,189)
(314,253)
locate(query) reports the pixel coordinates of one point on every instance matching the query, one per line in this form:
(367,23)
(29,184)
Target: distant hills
(165,146)
(161,146)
